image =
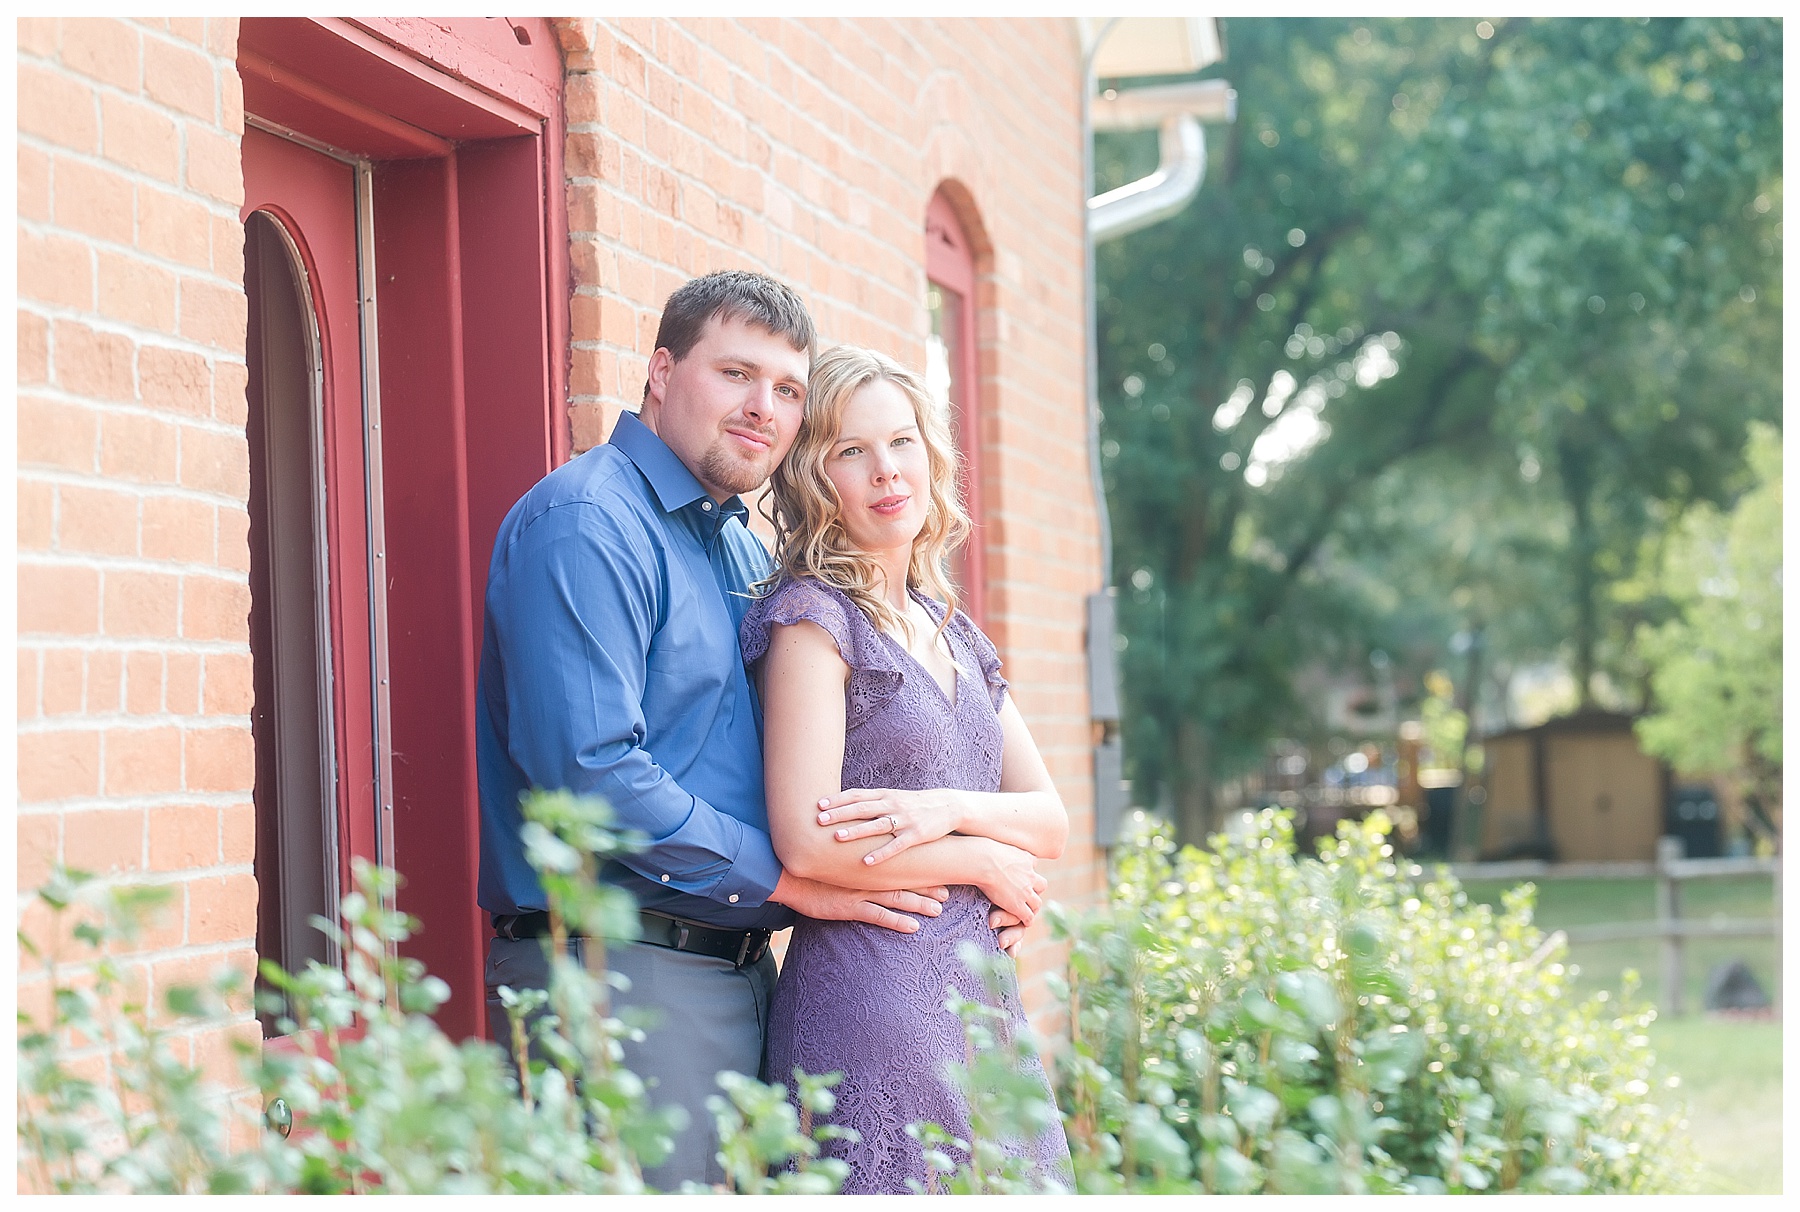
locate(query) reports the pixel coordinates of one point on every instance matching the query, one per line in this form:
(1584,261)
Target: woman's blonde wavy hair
(810,540)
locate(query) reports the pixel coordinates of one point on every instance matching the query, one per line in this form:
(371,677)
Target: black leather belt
(659,929)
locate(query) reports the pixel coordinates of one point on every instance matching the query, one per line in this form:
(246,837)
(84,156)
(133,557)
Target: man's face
(730,408)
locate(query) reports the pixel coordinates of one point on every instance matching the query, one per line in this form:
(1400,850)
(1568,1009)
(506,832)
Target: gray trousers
(711,1016)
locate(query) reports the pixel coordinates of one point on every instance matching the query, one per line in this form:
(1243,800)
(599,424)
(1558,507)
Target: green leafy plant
(380,1099)
(1246,1020)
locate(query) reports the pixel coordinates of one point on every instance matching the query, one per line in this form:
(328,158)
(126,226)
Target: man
(610,666)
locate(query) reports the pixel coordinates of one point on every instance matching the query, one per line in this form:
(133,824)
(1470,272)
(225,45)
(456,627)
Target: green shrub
(394,1105)
(1244,1020)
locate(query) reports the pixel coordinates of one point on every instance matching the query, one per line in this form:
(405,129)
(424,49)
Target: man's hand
(1012,881)
(830,903)
(1009,930)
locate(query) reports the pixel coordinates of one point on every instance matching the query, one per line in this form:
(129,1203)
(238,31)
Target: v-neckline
(952,696)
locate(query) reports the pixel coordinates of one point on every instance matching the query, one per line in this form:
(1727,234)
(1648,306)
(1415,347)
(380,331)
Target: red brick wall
(805,148)
(134,659)
(809,150)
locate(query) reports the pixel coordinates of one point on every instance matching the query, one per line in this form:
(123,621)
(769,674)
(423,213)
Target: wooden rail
(1670,870)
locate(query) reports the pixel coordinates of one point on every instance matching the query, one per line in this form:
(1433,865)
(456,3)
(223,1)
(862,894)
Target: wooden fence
(1670,870)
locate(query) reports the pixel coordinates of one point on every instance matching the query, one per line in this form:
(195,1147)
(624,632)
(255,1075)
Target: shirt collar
(676,487)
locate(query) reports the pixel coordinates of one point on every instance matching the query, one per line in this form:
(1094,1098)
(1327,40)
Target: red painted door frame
(950,266)
(461,122)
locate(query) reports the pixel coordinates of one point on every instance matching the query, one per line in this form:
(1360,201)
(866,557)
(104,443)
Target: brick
(34,348)
(230,401)
(228,249)
(221,759)
(58,765)
(143,761)
(181,683)
(140,137)
(221,909)
(230,687)
(175,379)
(215,166)
(40,839)
(57,270)
(28,685)
(98,521)
(33,184)
(234,539)
(104,49)
(92,199)
(231,102)
(104,841)
(237,834)
(133,291)
(56,107)
(142,604)
(213,314)
(139,448)
(39,35)
(65,681)
(215,462)
(96,365)
(184,836)
(144,683)
(178,529)
(216,1052)
(214,608)
(222,36)
(105,682)
(189,29)
(37,515)
(179,77)
(174,226)
(57,599)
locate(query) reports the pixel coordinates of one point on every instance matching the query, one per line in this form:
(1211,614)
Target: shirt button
(732,898)
(706,505)
(665,879)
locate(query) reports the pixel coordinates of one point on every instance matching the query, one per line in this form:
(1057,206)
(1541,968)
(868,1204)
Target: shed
(1574,789)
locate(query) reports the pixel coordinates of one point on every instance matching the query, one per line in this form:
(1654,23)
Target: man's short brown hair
(733,294)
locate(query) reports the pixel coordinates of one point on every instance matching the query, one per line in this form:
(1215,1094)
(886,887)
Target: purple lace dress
(863,1000)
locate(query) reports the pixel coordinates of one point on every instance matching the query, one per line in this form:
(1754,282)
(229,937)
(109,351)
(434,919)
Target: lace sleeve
(985,655)
(875,672)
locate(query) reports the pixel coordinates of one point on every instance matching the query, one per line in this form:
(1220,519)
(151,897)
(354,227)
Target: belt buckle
(751,948)
(681,936)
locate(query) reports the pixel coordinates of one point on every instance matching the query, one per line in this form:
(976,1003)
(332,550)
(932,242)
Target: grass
(1730,1069)
(1565,903)
(1731,1076)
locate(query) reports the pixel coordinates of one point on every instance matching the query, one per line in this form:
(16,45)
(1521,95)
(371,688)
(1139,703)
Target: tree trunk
(1578,490)
(1194,807)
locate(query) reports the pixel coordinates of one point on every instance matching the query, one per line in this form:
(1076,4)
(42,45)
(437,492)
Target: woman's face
(880,468)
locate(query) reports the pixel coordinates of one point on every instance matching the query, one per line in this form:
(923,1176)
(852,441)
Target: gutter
(1177,110)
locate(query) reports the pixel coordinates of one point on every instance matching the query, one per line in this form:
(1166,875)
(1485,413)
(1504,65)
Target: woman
(894,759)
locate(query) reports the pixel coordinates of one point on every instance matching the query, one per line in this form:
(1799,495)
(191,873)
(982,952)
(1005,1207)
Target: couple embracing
(823,742)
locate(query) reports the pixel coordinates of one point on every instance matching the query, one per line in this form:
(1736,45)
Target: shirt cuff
(753,874)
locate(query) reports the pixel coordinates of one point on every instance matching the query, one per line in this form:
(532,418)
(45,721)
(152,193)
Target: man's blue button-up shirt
(610,666)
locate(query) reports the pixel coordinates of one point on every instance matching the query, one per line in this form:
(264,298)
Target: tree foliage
(1716,667)
(1539,268)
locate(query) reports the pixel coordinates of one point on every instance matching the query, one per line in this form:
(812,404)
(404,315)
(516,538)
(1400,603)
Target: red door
(314,718)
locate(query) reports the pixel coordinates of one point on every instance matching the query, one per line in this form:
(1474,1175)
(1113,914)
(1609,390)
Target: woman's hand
(912,817)
(1012,882)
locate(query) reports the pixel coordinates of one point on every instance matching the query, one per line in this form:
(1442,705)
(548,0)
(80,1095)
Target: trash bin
(1693,816)
(1437,829)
